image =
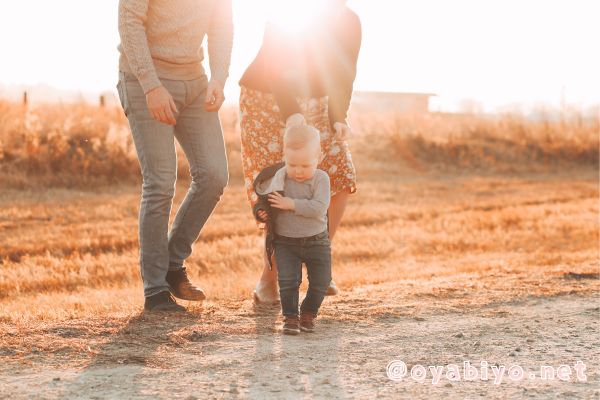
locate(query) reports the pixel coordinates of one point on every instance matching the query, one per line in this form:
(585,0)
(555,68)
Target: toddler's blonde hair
(301,136)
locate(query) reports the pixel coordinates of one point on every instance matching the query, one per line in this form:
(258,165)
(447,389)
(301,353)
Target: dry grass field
(460,224)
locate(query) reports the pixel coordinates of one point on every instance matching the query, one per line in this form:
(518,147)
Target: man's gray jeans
(201,137)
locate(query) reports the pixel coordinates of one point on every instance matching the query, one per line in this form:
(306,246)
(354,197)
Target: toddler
(295,201)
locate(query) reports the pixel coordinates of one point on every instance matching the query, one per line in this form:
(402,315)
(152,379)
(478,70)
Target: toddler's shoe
(291,325)
(307,321)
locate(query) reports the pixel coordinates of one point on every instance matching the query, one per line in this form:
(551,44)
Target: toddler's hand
(262,214)
(295,120)
(283,203)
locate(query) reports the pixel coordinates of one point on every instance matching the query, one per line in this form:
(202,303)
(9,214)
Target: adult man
(166,94)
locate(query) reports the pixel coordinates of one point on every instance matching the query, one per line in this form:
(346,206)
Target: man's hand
(283,203)
(295,120)
(161,105)
(214,96)
(342,131)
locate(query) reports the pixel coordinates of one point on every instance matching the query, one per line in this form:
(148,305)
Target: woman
(302,77)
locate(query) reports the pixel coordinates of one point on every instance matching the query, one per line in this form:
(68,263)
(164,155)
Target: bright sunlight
(295,16)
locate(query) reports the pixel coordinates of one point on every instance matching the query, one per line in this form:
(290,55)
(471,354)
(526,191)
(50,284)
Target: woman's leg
(337,207)
(266,290)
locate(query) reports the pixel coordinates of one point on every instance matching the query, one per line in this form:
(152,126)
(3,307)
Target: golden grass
(83,145)
(69,250)
(502,144)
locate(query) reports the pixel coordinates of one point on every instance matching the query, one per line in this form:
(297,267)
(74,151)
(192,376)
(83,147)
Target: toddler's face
(301,164)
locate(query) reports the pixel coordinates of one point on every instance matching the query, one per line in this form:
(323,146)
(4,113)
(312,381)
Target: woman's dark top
(321,61)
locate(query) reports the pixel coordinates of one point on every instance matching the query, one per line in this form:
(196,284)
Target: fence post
(25,99)
(102,101)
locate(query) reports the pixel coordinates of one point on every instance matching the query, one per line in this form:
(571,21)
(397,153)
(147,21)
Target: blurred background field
(82,146)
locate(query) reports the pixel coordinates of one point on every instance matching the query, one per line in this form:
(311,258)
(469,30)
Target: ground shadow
(145,342)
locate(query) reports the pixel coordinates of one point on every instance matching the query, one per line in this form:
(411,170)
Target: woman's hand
(295,120)
(342,131)
(283,203)
(161,105)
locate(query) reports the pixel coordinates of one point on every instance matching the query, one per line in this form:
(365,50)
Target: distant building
(390,101)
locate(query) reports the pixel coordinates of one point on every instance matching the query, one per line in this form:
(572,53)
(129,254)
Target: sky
(499,53)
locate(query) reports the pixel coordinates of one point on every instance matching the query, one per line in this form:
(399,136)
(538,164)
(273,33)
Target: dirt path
(346,358)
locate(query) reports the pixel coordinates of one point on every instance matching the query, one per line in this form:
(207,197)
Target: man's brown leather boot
(182,288)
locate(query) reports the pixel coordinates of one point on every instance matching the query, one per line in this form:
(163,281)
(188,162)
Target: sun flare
(295,16)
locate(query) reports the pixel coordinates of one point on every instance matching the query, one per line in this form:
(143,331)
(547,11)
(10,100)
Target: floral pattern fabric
(262,130)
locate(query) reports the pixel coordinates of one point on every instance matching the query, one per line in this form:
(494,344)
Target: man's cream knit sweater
(163,38)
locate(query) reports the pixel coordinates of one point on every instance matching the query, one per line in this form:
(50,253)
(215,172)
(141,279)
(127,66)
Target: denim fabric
(315,253)
(201,137)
